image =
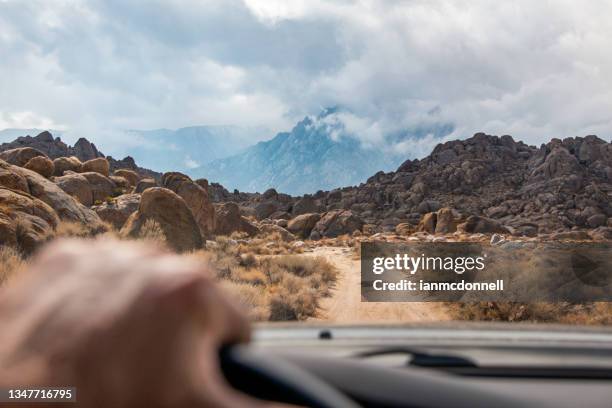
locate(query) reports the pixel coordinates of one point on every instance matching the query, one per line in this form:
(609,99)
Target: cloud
(535,70)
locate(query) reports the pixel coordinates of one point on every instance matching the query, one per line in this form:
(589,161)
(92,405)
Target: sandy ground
(345,305)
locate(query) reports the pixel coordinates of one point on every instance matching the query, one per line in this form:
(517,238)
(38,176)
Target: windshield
(332,163)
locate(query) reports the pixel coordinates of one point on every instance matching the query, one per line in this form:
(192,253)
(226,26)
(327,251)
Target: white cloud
(535,70)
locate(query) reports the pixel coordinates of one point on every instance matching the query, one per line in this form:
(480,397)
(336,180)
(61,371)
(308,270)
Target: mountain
(190,147)
(488,184)
(315,155)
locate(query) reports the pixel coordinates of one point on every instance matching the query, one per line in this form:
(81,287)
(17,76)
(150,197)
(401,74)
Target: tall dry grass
(275,287)
(11,263)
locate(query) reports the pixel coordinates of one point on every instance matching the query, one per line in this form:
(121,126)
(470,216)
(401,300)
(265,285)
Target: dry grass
(271,287)
(11,262)
(597,313)
(152,232)
(270,244)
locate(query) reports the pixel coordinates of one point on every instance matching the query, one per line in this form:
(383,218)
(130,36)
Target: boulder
(117,211)
(335,223)
(228,220)
(145,183)
(303,224)
(305,205)
(62,164)
(20,156)
(102,187)
(196,198)
(66,207)
(77,186)
(475,224)
(121,183)
(12,180)
(270,229)
(98,165)
(428,223)
(130,175)
(25,222)
(41,165)
(447,220)
(265,209)
(170,211)
(404,229)
(597,220)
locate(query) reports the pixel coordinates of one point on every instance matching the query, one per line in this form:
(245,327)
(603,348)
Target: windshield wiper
(422,358)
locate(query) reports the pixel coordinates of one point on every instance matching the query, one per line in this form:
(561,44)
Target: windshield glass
(330,163)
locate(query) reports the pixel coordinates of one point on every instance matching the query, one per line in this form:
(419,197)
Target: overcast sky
(532,69)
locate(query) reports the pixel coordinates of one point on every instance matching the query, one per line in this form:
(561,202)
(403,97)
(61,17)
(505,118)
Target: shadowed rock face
(170,211)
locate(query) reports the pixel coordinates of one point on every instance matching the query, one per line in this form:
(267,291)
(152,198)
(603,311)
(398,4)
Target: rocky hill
(505,185)
(82,149)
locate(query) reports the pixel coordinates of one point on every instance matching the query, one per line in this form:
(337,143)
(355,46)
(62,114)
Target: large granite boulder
(130,175)
(42,165)
(25,222)
(196,198)
(77,186)
(98,165)
(63,164)
(228,220)
(170,211)
(335,223)
(303,224)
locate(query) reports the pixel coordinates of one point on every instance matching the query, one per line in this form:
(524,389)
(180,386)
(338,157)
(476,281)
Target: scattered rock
(404,229)
(170,211)
(478,224)
(497,239)
(66,207)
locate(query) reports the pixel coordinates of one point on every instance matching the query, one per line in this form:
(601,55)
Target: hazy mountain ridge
(311,157)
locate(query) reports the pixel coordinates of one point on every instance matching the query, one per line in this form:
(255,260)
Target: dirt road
(345,305)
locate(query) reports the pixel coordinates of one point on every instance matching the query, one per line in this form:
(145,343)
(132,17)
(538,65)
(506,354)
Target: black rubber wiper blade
(422,358)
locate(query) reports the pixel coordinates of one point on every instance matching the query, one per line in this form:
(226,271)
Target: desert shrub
(293,299)
(253,299)
(509,311)
(291,285)
(72,229)
(11,262)
(151,231)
